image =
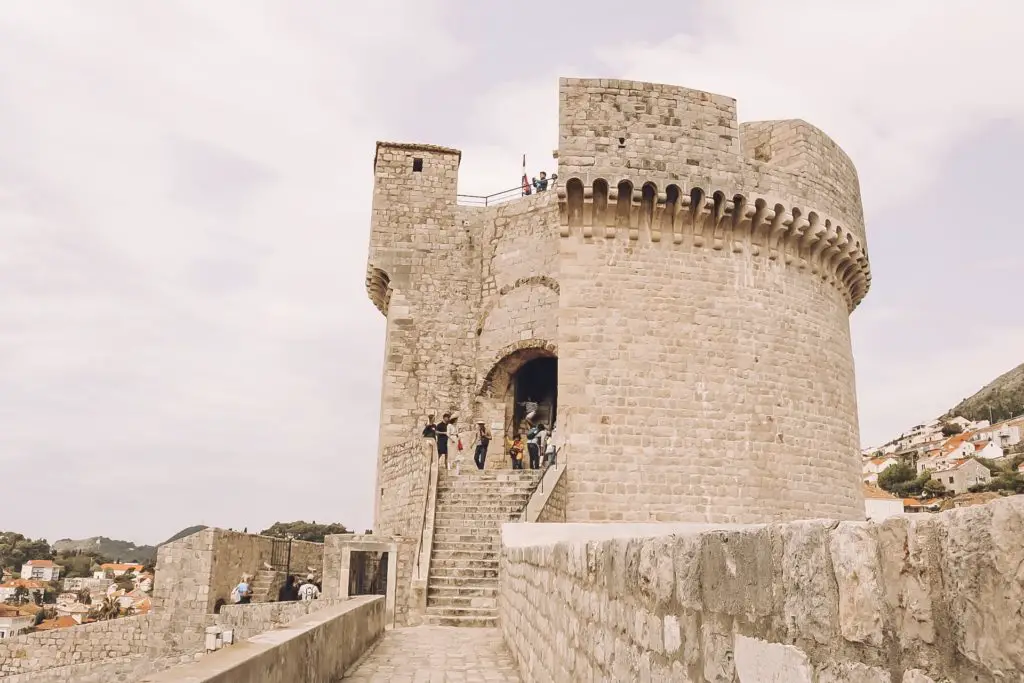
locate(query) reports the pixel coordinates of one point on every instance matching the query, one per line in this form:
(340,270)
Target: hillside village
(946,462)
(38,599)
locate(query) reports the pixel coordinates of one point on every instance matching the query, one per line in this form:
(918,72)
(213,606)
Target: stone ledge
(319,646)
(914,595)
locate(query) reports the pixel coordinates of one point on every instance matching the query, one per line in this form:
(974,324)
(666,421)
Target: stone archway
(527,365)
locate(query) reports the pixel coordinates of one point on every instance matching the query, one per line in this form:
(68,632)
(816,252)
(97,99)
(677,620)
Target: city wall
(914,598)
(194,572)
(316,647)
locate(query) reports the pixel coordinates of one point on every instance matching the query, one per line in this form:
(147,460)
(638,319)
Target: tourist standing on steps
(533,445)
(551,448)
(516,453)
(531,407)
(439,432)
(242,593)
(483,439)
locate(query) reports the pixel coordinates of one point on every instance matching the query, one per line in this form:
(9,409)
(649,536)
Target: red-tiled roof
(877,493)
(40,563)
(59,622)
(114,567)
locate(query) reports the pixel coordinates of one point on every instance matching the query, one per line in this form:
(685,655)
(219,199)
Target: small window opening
(417,165)
(622,142)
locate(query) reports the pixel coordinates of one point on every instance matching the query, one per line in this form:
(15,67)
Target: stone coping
(295,652)
(526,534)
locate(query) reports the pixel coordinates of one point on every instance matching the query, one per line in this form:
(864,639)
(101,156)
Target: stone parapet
(317,647)
(913,598)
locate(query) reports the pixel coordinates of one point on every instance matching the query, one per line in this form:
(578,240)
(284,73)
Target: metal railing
(498,197)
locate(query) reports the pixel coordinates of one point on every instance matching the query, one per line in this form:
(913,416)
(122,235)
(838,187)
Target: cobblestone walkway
(437,654)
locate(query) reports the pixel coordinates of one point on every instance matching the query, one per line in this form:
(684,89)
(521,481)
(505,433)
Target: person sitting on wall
(541,184)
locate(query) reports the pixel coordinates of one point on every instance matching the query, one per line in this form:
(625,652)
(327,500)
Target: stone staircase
(266,585)
(462,587)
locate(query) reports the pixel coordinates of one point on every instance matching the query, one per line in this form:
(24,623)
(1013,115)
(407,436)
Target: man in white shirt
(308,591)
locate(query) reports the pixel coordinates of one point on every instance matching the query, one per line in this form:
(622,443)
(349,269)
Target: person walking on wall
(483,439)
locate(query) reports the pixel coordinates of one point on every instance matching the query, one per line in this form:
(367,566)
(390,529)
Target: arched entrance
(525,372)
(535,382)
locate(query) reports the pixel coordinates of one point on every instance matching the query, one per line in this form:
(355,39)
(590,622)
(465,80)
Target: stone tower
(679,305)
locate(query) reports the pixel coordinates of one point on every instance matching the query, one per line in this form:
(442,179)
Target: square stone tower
(678,306)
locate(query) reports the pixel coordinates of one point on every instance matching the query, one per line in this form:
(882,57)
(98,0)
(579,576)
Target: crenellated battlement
(702,218)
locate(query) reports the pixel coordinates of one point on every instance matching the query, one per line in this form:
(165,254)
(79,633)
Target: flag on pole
(526,180)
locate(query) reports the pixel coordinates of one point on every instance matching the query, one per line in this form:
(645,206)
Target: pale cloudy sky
(184,212)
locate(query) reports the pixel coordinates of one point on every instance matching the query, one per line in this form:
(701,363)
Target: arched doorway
(535,382)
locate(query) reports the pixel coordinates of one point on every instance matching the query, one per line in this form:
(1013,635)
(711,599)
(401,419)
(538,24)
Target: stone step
(479,590)
(466,622)
(457,566)
(447,576)
(456,538)
(492,546)
(463,602)
(436,610)
(448,554)
(483,501)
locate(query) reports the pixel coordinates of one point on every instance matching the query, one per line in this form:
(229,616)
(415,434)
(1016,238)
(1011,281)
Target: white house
(13,622)
(987,449)
(962,476)
(879,504)
(875,466)
(32,586)
(40,570)
(1003,434)
(115,569)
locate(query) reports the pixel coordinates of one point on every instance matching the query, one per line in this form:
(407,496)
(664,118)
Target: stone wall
(317,647)
(97,642)
(554,508)
(194,572)
(247,621)
(913,598)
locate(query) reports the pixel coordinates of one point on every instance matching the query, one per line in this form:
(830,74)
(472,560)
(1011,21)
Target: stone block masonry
(911,599)
(98,642)
(692,275)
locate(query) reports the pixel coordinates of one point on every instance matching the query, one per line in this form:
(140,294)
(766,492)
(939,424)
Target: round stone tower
(678,305)
(707,272)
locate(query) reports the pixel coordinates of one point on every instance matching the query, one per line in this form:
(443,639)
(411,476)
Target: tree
(951,429)
(84,596)
(934,487)
(16,550)
(79,564)
(125,582)
(108,609)
(304,531)
(19,597)
(894,475)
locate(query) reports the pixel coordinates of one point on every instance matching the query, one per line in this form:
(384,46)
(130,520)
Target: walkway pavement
(437,654)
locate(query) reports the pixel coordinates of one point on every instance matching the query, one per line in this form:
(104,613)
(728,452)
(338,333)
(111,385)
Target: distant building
(962,476)
(879,504)
(875,466)
(40,570)
(13,621)
(1004,434)
(987,449)
(917,505)
(114,570)
(32,586)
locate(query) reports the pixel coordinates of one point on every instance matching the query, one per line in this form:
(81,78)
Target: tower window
(622,142)
(417,165)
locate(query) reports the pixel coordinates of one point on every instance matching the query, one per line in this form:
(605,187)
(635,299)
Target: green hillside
(1004,397)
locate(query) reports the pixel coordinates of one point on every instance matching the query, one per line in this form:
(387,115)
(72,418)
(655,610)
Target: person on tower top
(541,184)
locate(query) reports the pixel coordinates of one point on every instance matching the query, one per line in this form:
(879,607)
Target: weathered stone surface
(856,563)
(916,676)
(838,597)
(758,661)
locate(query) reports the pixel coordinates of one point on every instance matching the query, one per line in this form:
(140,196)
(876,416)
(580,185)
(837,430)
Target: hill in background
(119,551)
(1004,396)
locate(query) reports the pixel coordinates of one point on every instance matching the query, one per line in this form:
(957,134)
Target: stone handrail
(541,494)
(426,544)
